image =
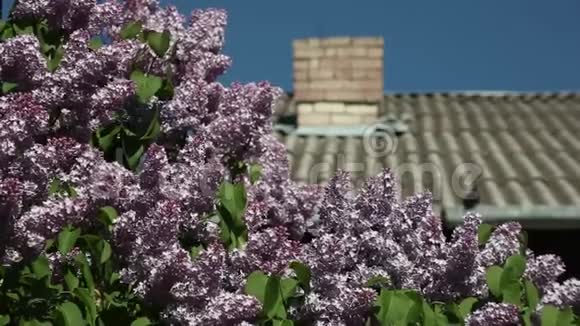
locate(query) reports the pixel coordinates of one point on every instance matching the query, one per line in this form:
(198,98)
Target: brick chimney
(338,80)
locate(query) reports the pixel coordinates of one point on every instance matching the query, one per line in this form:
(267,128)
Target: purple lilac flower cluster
(346,238)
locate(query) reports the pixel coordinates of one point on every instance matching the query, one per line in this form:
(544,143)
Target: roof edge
(544,217)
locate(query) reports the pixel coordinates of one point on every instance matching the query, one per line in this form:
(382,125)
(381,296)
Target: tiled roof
(522,150)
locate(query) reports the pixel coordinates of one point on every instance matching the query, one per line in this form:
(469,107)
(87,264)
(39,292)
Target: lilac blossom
(494,314)
(562,295)
(347,238)
(21,61)
(544,270)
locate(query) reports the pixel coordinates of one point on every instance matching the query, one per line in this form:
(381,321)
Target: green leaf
(194,251)
(550,315)
(34,322)
(255,173)
(167,89)
(515,266)
(566,317)
(464,308)
(415,311)
(8,32)
(484,232)
(105,252)
(527,317)
(383,302)
(493,277)
(143,321)
(512,293)
(7,87)
(397,307)
(288,287)
(108,215)
(154,128)
(54,187)
(23,28)
(40,267)
(132,151)
(89,302)
(378,282)
(302,274)
(83,264)
(256,285)
(57,187)
(429,318)
(532,294)
(4,319)
(54,61)
(233,230)
(159,42)
(433,317)
(114,277)
(284,322)
(71,281)
(105,137)
(131,30)
(273,303)
(147,85)
(233,198)
(68,314)
(510,279)
(67,239)
(95,43)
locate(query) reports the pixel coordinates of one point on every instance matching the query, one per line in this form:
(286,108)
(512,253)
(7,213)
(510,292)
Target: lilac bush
(122,112)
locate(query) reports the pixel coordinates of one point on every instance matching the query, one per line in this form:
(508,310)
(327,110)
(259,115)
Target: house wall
(338,80)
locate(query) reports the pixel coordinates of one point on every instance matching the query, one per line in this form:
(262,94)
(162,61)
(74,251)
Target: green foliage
(255,173)
(67,239)
(231,209)
(484,232)
(68,314)
(108,215)
(552,316)
(401,307)
(506,282)
(532,294)
(95,43)
(58,188)
(8,87)
(143,321)
(81,291)
(303,274)
(131,30)
(158,42)
(147,85)
(276,294)
(126,144)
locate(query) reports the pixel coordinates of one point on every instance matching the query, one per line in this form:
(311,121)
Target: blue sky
(522,45)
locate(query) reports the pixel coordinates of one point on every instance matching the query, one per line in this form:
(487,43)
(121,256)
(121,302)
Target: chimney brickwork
(338,80)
